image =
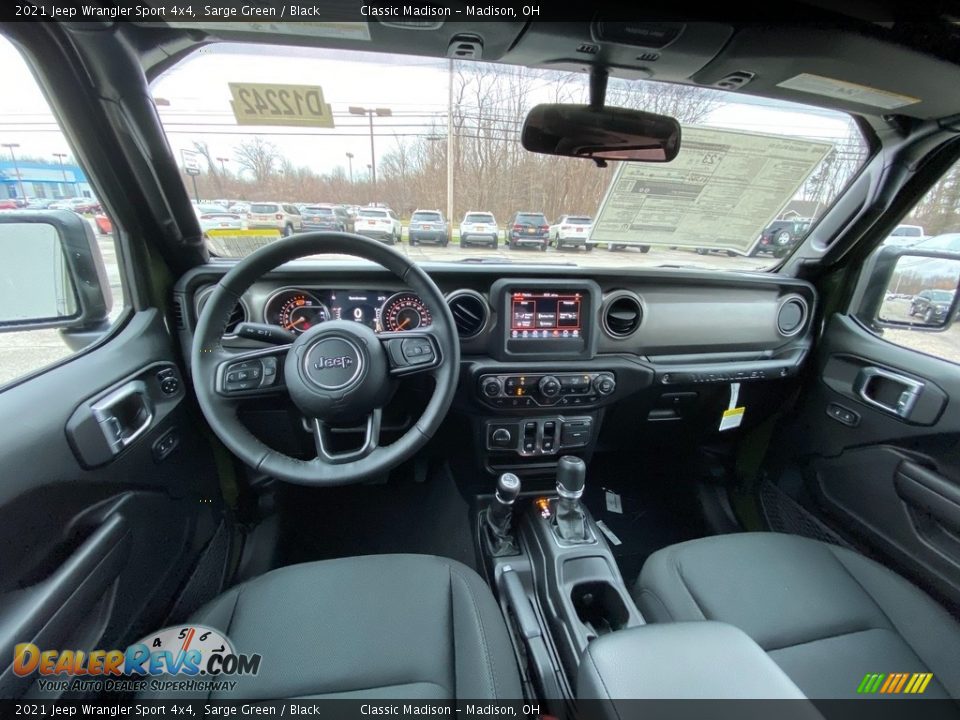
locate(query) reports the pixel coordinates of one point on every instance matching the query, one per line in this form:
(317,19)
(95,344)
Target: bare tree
(258,156)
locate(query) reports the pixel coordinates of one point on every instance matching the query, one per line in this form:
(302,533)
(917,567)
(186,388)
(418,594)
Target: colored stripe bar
(891,682)
(926,681)
(913,683)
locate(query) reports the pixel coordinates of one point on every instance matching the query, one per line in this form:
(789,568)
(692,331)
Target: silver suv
(280,216)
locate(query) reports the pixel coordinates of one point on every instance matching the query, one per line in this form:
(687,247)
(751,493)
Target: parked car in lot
(479,228)
(931,305)
(428,226)
(571,231)
(39,204)
(282,216)
(615,247)
(217,217)
(528,228)
(378,223)
(78,205)
(324,217)
(780,237)
(8,204)
(103,223)
(905,236)
(946,241)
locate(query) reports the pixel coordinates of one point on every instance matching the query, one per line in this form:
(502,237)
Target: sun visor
(840,70)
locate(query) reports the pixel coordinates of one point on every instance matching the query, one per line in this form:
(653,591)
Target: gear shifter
(499,515)
(570,519)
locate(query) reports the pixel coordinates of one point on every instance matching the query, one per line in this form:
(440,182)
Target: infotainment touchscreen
(546,315)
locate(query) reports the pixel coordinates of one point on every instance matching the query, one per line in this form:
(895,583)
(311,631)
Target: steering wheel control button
(246,375)
(333,363)
(417,351)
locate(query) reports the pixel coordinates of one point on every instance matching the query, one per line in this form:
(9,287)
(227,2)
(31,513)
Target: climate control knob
(549,386)
(490,387)
(604,384)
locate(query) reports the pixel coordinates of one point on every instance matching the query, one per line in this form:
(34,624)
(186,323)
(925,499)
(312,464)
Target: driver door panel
(95,552)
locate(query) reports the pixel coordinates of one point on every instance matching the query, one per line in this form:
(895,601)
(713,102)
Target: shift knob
(508,488)
(571,476)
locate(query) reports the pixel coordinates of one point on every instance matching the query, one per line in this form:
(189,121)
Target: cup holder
(600,607)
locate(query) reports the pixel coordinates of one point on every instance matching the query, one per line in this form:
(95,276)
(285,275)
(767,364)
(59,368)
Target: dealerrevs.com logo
(190,658)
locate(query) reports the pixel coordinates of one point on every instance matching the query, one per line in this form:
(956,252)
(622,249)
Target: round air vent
(470,312)
(792,315)
(623,315)
(237,315)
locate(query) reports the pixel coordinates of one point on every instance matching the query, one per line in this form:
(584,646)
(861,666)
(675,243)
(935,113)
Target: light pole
(63,172)
(350,163)
(370,112)
(223,167)
(11,146)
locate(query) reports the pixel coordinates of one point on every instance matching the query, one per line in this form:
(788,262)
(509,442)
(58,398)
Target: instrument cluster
(298,310)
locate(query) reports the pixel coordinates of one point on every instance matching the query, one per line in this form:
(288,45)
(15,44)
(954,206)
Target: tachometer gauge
(296,311)
(404,311)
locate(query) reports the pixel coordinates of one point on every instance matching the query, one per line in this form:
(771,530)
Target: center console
(556,577)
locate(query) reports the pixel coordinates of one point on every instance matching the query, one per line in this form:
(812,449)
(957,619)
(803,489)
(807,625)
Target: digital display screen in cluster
(545,315)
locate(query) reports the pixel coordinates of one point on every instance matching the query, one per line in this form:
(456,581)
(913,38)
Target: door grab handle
(906,400)
(124,415)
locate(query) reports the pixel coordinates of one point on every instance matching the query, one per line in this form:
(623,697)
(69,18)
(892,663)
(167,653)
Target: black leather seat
(827,616)
(378,626)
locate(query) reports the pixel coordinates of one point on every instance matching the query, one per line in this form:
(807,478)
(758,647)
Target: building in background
(42,180)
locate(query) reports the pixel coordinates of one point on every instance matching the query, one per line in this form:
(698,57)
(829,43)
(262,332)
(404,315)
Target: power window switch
(843,415)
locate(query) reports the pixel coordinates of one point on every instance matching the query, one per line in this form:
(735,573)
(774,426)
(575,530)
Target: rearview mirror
(52,275)
(920,292)
(601,134)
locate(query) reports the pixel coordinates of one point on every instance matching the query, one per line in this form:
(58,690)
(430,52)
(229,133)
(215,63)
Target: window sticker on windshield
(851,92)
(721,191)
(270,104)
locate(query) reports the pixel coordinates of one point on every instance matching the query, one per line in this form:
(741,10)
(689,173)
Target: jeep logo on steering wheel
(342,361)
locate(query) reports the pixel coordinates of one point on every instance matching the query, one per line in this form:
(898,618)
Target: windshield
(426,217)
(319,210)
(374,129)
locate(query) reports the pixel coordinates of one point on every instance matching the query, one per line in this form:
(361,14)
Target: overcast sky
(414,89)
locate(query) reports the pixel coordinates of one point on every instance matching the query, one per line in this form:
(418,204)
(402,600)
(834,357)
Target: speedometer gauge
(295,310)
(404,311)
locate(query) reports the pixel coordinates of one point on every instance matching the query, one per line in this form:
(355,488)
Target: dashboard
(551,356)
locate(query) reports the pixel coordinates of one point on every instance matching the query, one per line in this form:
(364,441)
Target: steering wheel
(336,372)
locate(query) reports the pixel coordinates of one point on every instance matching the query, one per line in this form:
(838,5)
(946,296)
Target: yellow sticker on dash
(732,418)
(272,104)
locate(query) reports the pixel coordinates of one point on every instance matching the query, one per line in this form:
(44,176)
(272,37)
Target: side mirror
(601,134)
(52,276)
(916,290)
